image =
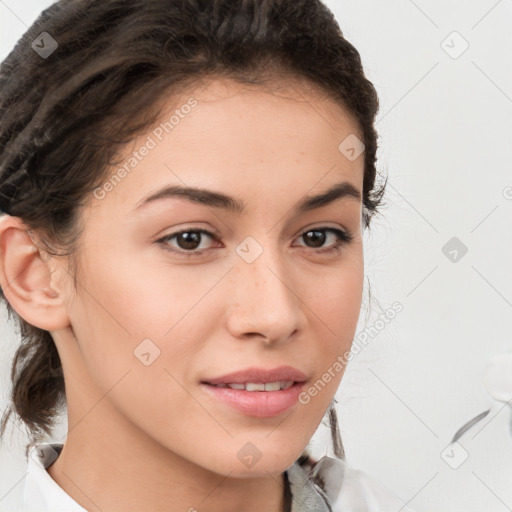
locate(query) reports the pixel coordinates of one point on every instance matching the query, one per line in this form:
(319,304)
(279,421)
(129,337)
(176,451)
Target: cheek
(120,326)
(140,299)
(335,301)
(126,310)
(335,309)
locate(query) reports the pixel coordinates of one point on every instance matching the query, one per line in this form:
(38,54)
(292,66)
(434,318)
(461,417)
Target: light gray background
(446,136)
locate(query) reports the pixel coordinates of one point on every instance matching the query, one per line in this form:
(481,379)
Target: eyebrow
(225,202)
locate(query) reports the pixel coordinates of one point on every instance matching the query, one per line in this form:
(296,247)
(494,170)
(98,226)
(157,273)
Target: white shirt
(42,493)
(347,489)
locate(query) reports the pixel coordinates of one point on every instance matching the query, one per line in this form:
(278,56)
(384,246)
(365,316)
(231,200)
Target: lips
(282,374)
(257,392)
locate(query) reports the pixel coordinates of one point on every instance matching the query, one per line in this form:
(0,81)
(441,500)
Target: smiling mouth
(257,392)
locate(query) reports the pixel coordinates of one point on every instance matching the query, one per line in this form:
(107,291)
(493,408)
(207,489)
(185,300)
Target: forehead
(276,141)
(287,94)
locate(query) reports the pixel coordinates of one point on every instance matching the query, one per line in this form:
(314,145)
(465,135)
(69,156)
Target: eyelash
(342,238)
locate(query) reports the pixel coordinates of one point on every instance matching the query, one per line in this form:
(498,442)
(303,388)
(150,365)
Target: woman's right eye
(188,241)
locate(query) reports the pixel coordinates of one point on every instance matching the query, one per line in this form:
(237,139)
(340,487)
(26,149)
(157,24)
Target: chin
(253,462)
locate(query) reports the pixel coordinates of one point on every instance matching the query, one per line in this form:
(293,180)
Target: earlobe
(27,278)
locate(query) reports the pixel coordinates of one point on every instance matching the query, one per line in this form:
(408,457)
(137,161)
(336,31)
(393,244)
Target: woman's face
(156,314)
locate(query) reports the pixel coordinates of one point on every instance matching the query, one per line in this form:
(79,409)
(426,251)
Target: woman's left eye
(316,235)
(189,240)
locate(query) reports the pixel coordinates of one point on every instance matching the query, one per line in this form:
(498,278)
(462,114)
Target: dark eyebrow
(219,200)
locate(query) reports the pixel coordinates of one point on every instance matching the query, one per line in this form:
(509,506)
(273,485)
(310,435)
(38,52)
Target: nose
(265,303)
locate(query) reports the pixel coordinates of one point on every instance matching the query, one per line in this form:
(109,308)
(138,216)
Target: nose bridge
(264,301)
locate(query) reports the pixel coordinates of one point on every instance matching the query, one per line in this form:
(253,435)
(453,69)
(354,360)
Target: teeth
(256,386)
(259,386)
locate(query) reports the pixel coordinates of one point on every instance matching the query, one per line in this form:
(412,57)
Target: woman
(185,184)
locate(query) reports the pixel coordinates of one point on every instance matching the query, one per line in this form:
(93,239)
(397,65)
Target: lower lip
(259,404)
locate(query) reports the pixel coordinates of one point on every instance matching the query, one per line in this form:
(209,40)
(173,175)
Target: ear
(29,277)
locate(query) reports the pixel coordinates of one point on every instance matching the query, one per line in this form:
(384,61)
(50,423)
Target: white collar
(42,493)
(346,489)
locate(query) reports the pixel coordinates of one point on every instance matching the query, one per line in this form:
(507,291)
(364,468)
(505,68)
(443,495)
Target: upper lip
(260,375)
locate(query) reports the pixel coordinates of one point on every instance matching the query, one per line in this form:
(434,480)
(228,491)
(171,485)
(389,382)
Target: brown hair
(64,117)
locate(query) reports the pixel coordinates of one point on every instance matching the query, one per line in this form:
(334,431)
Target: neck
(108,467)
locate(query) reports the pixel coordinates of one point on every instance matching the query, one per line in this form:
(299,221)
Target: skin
(147,437)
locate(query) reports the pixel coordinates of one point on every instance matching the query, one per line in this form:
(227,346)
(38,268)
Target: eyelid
(211,233)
